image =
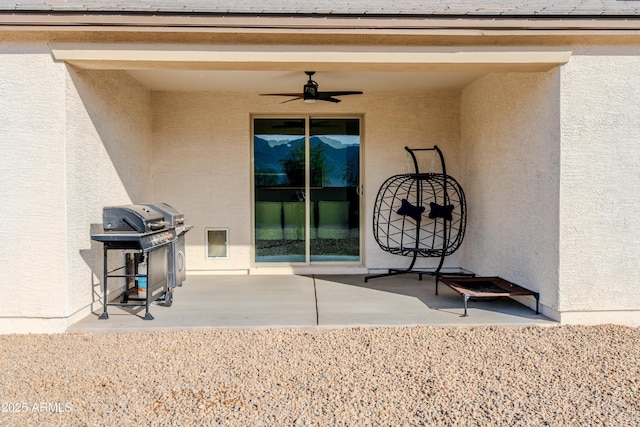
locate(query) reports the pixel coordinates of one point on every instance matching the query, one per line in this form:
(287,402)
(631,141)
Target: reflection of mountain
(341,160)
(267,158)
(338,161)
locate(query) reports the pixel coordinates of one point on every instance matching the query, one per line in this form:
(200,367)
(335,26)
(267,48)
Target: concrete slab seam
(315,295)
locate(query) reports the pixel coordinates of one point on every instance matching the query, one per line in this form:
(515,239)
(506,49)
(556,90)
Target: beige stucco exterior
(510,150)
(72,141)
(32,143)
(548,160)
(599,181)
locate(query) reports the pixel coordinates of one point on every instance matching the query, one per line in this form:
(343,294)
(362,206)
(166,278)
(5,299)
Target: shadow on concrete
(404,299)
(309,302)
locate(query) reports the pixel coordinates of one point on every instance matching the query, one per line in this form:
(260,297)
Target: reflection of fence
(294,221)
(286,220)
(333,219)
(269,220)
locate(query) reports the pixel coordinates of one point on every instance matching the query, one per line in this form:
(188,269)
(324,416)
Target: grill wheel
(168,299)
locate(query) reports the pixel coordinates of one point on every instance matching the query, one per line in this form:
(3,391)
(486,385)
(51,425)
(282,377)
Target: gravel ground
(529,376)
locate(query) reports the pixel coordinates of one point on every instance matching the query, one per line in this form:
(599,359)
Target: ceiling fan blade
(299,95)
(295,96)
(341,93)
(292,99)
(329,98)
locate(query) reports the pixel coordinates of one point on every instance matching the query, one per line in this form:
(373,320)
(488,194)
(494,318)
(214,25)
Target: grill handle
(157,225)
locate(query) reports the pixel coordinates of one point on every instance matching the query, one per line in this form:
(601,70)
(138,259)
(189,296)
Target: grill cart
(147,240)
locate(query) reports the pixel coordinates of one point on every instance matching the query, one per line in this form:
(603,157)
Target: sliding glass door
(306,189)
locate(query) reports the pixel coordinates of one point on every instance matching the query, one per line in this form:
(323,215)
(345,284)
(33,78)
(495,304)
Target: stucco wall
(108,162)
(511,159)
(599,186)
(71,143)
(202,157)
(33,230)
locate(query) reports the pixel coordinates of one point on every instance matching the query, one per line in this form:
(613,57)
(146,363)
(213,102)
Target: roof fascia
(462,25)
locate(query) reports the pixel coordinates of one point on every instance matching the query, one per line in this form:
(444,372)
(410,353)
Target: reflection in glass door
(306,180)
(335,177)
(279,153)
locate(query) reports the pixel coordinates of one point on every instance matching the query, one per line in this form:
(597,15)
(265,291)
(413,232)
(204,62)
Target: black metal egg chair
(419,215)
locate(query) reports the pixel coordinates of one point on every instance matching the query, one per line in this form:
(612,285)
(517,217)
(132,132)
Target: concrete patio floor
(309,302)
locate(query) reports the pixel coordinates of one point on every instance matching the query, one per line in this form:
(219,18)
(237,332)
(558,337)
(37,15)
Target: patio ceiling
(292,81)
(280,68)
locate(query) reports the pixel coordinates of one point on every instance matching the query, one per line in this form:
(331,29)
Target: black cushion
(407,209)
(438,211)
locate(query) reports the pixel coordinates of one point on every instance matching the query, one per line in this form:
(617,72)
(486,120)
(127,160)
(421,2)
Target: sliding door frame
(361,202)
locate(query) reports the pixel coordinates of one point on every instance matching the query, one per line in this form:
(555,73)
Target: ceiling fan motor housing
(311,90)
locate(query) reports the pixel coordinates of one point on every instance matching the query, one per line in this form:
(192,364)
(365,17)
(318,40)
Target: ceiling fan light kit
(311,94)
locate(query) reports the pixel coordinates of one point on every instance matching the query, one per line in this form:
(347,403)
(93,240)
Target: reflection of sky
(275,140)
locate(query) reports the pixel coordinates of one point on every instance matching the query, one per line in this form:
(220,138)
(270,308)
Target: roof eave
(328,24)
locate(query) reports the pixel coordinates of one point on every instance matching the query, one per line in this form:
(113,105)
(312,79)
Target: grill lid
(139,218)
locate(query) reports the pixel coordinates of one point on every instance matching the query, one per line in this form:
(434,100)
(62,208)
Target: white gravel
(531,376)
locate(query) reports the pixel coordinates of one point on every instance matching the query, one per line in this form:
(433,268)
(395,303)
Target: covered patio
(531,106)
(200,105)
(310,302)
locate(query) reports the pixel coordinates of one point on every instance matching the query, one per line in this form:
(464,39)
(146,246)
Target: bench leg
(465,298)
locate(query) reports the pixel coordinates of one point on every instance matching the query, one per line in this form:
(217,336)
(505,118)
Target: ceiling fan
(310,92)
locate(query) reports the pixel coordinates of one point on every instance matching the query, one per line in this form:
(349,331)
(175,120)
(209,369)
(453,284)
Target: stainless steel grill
(177,262)
(152,237)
